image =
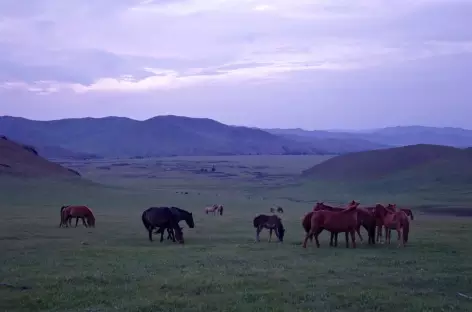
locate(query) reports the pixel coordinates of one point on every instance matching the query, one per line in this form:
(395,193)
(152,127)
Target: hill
(333,142)
(413,163)
(158,136)
(23,160)
(390,136)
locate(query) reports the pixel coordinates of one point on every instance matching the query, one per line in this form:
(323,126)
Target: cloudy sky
(315,64)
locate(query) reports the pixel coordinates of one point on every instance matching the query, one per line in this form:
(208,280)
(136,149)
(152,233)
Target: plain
(113,267)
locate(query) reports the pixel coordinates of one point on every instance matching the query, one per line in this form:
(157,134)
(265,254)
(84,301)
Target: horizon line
(247,126)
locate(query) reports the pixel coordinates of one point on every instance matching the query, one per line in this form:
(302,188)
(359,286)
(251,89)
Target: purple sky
(313,64)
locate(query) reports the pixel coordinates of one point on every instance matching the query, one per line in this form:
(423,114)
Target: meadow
(114,267)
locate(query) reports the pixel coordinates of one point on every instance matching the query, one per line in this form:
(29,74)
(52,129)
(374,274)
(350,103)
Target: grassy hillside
(23,160)
(158,136)
(402,169)
(113,267)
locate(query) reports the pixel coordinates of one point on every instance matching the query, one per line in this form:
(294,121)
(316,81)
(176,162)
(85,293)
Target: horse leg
(400,236)
(358,230)
(353,238)
(347,239)
(331,239)
(258,231)
(317,233)
(76,221)
(150,233)
(162,235)
(83,222)
(270,235)
(336,240)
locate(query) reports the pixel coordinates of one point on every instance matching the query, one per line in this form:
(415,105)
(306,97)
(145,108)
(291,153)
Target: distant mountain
(391,136)
(158,136)
(332,142)
(17,159)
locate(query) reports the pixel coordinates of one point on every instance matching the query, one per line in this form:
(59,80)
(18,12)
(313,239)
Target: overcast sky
(332,64)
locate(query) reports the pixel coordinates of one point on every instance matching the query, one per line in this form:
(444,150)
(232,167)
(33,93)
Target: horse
(220,209)
(83,212)
(180,214)
(280,209)
(378,222)
(272,210)
(322,206)
(394,220)
(334,221)
(63,223)
(162,218)
(408,212)
(272,223)
(213,209)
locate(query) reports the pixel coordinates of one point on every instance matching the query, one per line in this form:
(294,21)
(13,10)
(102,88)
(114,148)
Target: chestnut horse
(322,206)
(83,212)
(394,220)
(272,223)
(335,222)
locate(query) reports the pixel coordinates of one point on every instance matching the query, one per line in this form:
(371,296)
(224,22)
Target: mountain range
(175,135)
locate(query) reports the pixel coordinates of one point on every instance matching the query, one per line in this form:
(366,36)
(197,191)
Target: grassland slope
(415,162)
(23,160)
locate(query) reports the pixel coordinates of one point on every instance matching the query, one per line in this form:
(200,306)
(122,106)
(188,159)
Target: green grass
(220,268)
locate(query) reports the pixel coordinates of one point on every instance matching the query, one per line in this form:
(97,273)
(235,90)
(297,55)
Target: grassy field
(113,267)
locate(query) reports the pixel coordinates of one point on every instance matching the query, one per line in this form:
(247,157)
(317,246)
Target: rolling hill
(388,137)
(412,164)
(24,161)
(158,136)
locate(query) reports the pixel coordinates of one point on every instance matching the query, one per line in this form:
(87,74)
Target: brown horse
(394,220)
(408,213)
(63,223)
(322,206)
(83,212)
(272,223)
(334,221)
(220,209)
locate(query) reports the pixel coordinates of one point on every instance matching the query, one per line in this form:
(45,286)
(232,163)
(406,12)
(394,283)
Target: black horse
(272,223)
(162,217)
(180,215)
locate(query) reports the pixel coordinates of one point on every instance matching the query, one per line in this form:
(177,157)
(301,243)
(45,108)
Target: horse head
(179,234)
(318,206)
(392,207)
(189,220)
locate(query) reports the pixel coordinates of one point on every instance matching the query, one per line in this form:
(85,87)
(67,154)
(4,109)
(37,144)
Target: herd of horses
(348,220)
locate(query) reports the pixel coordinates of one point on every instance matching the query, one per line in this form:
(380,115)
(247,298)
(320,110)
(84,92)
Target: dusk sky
(332,64)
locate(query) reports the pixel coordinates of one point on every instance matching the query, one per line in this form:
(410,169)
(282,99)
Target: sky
(313,64)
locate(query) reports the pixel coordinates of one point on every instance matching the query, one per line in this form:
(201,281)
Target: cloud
(132,48)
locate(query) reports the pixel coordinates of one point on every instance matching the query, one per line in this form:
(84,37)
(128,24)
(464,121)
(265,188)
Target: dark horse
(272,223)
(180,215)
(162,217)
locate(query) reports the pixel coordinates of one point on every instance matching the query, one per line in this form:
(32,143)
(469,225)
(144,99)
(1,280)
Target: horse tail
(146,223)
(406,230)
(255,222)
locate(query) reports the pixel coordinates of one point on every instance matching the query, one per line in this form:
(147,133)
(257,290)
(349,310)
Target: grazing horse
(272,223)
(213,209)
(83,212)
(180,214)
(394,220)
(63,223)
(280,209)
(322,206)
(162,217)
(334,221)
